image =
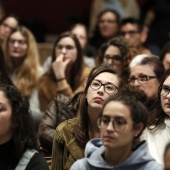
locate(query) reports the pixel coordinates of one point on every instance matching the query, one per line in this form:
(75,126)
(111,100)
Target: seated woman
(117,53)
(22,62)
(145,73)
(67,72)
(17,136)
(72,135)
(121,122)
(157,133)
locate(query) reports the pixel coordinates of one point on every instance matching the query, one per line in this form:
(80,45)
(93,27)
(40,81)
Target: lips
(108,138)
(167,105)
(98,100)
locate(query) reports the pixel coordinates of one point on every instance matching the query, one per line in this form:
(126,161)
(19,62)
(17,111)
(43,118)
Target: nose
(168,96)
(16,44)
(110,61)
(110,126)
(127,36)
(101,90)
(63,50)
(136,83)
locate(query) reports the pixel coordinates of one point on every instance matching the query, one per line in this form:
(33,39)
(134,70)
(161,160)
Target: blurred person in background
(7,24)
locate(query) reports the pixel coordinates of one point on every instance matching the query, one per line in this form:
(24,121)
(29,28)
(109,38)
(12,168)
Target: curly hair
(128,52)
(28,72)
(23,132)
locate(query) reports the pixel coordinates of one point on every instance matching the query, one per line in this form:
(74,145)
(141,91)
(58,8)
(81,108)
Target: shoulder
(80,164)
(67,125)
(37,162)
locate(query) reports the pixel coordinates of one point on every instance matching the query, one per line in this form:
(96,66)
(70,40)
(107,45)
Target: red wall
(56,15)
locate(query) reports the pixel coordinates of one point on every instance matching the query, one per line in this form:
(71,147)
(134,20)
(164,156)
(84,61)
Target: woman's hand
(59,66)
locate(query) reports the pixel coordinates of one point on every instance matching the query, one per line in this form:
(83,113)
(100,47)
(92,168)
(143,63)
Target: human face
(165,100)
(109,55)
(131,33)
(167,160)
(5,119)
(67,47)
(166,61)
(7,26)
(108,26)
(112,138)
(151,86)
(96,98)
(17,45)
(81,34)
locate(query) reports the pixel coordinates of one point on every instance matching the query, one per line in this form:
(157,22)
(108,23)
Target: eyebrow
(104,83)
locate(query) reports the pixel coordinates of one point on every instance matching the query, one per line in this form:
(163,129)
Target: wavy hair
(23,132)
(81,126)
(28,72)
(128,51)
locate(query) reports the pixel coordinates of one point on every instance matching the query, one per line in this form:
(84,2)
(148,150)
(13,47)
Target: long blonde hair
(27,74)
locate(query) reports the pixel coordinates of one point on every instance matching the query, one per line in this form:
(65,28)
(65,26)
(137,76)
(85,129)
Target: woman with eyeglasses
(72,135)
(121,122)
(22,62)
(145,73)
(117,53)
(157,133)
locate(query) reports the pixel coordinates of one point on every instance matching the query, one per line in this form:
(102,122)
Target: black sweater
(9,161)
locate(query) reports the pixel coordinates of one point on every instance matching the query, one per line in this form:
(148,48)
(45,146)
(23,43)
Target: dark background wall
(49,16)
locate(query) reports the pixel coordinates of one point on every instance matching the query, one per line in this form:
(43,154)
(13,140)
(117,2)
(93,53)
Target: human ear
(138,129)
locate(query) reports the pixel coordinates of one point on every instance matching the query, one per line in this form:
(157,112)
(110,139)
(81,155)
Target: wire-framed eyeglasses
(118,124)
(108,87)
(165,90)
(141,79)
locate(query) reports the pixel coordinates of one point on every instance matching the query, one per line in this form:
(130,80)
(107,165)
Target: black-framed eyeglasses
(118,124)
(114,57)
(109,88)
(131,33)
(165,90)
(141,79)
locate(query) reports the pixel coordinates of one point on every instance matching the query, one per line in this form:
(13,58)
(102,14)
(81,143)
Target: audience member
(157,133)
(117,53)
(17,136)
(165,55)
(121,122)
(107,27)
(80,31)
(146,72)
(22,61)
(72,135)
(125,8)
(4,77)
(134,31)
(7,24)
(67,72)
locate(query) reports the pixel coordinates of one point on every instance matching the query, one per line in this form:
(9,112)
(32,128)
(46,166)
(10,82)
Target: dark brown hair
(81,126)
(158,115)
